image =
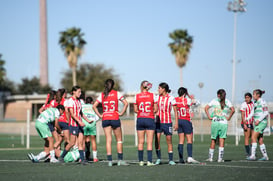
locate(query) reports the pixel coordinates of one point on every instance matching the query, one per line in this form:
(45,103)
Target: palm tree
(72,44)
(2,70)
(180,47)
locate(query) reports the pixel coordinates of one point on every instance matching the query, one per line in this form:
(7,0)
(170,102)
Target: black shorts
(75,130)
(145,124)
(248,126)
(166,128)
(63,126)
(113,123)
(51,126)
(184,126)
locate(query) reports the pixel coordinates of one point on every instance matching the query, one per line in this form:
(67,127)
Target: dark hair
(82,96)
(52,93)
(181,91)
(259,92)
(108,86)
(222,96)
(165,86)
(88,100)
(75,88)
(248,94)
(146,84)
(59,95)
(60,107)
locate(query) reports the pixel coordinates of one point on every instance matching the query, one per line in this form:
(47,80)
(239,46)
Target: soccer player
(63,120)
(247,126)
(260,114)
(145,105)
(75,124)
(164,121)
(41,125)
(184,124)
(90,130)
(72,156)
(110,118)
(221,114)
(50,97)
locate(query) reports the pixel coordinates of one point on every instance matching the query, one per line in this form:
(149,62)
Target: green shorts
(89,129)
(260,127)
(71,156)
(218,129)
(43,129)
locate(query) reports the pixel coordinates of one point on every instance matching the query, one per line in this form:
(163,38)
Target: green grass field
(14,164)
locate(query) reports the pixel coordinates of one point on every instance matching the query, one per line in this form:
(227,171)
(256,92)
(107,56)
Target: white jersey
(49,115)
(218,113)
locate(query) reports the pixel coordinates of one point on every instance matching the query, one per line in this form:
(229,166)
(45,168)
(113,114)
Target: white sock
(253,149)
(94,154)
(52,154)
(211,152)
(263,150)
(221,153)
(41,155)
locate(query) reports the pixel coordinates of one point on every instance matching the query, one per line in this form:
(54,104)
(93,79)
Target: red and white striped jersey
(145,102)
(110,105)
(183,107)
(165,104)
(53,103)
(76,107)
(245,107)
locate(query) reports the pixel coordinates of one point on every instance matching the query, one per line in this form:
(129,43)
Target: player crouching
(41,125)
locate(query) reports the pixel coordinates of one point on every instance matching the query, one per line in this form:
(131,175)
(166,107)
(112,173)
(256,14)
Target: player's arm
(207,111)
(175,117)
(136,108)
(155,108)
(232,110)
(59,130)
(125,103)
(85,118)
(75,117)
(96,109)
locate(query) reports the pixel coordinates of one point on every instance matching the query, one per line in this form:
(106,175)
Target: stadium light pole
(235,6)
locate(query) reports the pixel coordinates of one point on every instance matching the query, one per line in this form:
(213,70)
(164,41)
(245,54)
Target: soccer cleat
(122,163)
(34,159)
(141,163)
(220,160)
(95,160)
(54,160)
(209,160)
(149,164)
(191,160)
(264,159)
(110,163)
(30,157)
(158,161)
(61,159)
(251,158)
(172,162)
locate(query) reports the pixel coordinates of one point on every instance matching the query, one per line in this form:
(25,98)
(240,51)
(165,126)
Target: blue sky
(132,37)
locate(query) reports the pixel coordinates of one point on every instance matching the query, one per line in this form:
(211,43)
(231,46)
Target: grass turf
(15,166)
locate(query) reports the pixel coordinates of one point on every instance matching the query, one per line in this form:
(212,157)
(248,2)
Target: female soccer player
(184,124)
(164,121)
(63,120)
(145,105)
(41,125)
(260,114)
(247,126)
(222,112)
(110,118)
(90,130)
(75,124)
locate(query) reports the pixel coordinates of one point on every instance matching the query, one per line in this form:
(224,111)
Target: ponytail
(108,86)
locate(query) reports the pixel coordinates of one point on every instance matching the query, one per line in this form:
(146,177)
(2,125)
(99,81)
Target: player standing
(75,124)
(145,105)
(90,130)
(184,124)
(110,118)
(164,121)
(260,114)
(247,126)
(41,125)
(221,114)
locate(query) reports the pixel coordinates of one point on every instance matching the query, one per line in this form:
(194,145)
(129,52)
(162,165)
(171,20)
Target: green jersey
(259,111)
(87,110)
(48,115)
(218,113)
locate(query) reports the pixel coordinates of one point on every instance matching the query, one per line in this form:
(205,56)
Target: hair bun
(263,91)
